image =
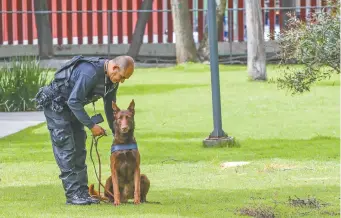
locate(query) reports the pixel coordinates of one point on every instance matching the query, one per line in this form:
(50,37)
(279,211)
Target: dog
(125,181)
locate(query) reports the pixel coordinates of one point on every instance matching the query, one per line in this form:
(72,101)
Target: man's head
(120,68)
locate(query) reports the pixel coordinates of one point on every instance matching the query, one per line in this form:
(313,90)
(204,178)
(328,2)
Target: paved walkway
(12,122)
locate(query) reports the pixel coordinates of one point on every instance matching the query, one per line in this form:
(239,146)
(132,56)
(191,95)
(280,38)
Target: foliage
(314,43)
(20,80)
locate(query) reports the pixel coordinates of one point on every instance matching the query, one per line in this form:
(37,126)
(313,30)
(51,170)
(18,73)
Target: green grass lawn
(291,142)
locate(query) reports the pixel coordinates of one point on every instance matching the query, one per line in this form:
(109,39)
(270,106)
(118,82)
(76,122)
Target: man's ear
(116,67)
(132,106)
(115,108)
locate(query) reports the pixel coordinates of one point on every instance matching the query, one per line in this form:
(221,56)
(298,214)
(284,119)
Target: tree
(255,41)
(287,4)
(140,28)
(315,44)
(184,45)
(204,49)
(45,42)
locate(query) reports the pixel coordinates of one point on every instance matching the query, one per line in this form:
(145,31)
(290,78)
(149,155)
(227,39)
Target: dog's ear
(115,108)
(132,106)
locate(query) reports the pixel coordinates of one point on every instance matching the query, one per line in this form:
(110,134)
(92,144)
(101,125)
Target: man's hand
(97,130)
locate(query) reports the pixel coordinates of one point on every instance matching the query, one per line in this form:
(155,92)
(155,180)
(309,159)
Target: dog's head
(124,119)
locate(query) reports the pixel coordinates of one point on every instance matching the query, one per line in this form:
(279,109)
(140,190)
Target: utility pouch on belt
(45,96)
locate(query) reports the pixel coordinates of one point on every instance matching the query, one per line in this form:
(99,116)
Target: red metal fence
(17,22)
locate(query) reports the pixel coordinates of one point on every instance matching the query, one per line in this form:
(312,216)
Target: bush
(315,44)
(20,80)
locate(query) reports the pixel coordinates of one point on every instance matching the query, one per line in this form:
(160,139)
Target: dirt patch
(258,212)
(233,164)
(308,202)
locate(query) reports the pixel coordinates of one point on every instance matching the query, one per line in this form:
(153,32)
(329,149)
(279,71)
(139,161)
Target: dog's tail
(93,193)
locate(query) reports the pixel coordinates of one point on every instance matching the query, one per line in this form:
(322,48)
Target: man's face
(117,74)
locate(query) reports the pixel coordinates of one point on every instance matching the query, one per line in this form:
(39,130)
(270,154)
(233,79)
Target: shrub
(20,80)
(315,44)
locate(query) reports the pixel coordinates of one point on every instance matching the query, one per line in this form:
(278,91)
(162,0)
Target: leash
(95,143)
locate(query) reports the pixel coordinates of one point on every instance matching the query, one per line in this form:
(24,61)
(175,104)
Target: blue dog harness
(122,147)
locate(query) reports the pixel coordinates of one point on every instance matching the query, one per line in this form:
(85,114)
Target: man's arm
(83,85)
(108,99)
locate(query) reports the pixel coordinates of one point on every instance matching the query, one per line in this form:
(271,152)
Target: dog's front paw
(137,200)
(116,203)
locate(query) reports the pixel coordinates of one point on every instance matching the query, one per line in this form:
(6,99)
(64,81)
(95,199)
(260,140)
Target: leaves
(20,80)
(315,44)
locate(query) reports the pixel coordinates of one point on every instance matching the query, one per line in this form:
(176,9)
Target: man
(79,82)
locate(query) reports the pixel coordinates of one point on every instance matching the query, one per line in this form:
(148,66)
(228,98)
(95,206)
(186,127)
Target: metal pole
(213,42)
(230,29)
(109,32)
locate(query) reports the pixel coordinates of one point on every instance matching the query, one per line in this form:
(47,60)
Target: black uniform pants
(68,142)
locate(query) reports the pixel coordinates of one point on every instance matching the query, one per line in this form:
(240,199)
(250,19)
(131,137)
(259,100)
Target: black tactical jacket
(88,83)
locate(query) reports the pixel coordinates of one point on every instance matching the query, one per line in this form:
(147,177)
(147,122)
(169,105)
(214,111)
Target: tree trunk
(255,41)
(45,42)
(204,48)
(185,47)
(142,20)
(286,3)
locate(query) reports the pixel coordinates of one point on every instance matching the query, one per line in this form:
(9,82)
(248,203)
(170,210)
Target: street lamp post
(218,137)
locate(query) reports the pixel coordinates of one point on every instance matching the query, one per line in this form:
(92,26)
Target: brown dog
(125,181)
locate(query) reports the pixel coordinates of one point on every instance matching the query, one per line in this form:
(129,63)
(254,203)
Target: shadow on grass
(328,83)
(155,88)
(50,202)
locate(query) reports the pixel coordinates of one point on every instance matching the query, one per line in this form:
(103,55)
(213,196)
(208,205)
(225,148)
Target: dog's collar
(121,147)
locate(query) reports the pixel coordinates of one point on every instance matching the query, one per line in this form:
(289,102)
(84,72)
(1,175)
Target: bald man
(79,82)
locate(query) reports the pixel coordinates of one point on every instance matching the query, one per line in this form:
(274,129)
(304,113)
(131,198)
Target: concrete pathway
(12,122)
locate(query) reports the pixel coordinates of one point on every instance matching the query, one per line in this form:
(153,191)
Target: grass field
(291,142)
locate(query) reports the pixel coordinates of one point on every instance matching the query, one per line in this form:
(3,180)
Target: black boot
(77,199)
(85,195)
